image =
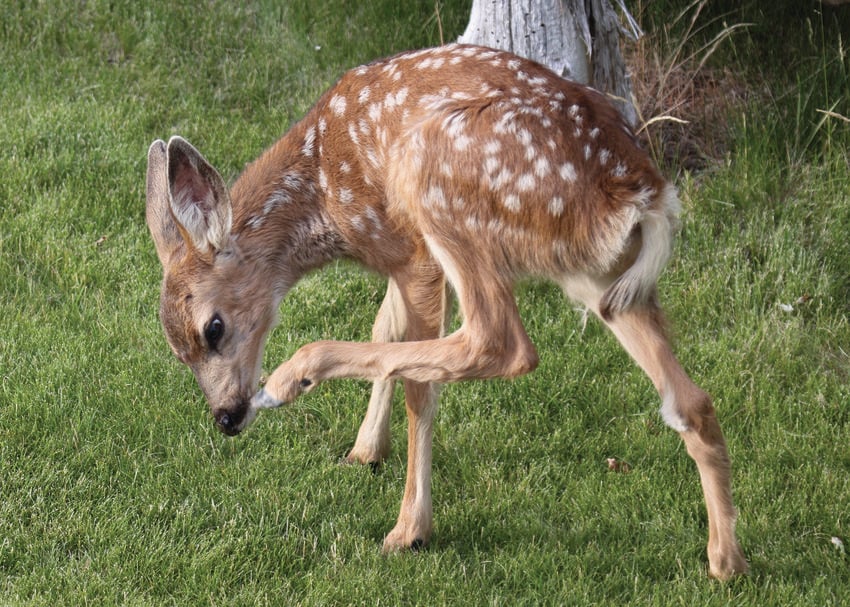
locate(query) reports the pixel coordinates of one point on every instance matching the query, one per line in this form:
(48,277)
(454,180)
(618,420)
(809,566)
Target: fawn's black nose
(227,423)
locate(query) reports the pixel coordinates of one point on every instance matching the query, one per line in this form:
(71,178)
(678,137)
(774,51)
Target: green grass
(116,489)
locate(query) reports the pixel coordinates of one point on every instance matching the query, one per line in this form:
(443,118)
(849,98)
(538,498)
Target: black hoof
(417,545)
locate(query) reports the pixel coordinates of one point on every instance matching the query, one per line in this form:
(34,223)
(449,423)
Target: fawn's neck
(279,213)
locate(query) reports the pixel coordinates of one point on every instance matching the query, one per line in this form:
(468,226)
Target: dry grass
(683,103)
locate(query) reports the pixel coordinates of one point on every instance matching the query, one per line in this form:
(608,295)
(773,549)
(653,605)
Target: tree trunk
(577,39)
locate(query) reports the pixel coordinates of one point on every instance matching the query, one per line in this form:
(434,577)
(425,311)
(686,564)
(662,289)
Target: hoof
(348,460)
(725,574)
(396,542)
(367,457)
(729,566)
(417,545)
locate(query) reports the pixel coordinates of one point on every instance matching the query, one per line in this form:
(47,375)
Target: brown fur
(457,165)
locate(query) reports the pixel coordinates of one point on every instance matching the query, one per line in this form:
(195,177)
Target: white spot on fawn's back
(568,172)
(526,182)
(524,137)
(435,198)
(372,158)
(503,178)
(338,104)
(506,123)
(462,142)
(473,223)
(492,147)
(512,202)
(556,206)
(372,216)
(309,141)
(277,198)
(541,166)
(619,170)
(455,126)
(394,100)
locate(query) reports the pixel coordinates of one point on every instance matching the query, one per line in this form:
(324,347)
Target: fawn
(456,167)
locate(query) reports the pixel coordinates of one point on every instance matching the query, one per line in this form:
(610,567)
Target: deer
(455,172)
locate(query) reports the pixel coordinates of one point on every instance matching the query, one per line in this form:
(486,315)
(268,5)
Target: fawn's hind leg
(689,411)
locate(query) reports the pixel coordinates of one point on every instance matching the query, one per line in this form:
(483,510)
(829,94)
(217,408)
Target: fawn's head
(215,308)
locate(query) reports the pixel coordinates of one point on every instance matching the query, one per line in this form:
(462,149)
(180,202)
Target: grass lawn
(115,488)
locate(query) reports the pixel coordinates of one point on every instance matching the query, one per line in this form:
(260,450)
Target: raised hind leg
(688,410)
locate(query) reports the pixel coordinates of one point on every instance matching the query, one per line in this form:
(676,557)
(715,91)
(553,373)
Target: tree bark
(577,39)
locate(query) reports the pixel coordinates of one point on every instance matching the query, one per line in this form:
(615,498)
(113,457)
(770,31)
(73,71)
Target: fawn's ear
(199,202)
(166,236)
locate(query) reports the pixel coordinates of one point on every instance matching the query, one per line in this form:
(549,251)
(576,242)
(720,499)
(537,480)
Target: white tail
(637,283)
(459,165)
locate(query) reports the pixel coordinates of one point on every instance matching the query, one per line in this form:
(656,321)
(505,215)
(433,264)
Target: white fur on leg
(264,400)
(670,414)
(261,400)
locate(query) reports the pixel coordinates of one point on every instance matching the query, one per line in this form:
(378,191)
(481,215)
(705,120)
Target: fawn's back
(469,145)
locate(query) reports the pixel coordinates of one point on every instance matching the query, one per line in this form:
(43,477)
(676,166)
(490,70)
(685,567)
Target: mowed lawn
(115,488)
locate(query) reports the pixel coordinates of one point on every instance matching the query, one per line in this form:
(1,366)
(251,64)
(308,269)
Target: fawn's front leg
(426,301)
(373,439)
(413,528)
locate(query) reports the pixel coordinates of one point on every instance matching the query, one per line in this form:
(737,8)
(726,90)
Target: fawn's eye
(214,331)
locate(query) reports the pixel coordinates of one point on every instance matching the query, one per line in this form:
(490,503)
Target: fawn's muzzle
(230,422)
(226,425)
